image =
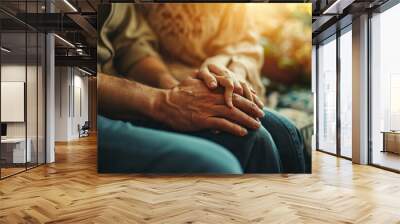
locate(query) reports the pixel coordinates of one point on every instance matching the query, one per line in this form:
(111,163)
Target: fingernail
(244,132)
(213,84)
(257,125)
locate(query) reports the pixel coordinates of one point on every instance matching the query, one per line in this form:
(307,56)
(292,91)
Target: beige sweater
(195,33)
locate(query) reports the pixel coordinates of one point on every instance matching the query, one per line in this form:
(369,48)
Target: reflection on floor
(9,170)
(346,152)
(71,191)
(387,159)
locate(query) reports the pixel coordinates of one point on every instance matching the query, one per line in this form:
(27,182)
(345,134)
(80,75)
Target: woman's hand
(191,106)
(214,76)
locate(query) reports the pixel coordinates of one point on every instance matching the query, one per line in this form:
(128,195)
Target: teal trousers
(150,147)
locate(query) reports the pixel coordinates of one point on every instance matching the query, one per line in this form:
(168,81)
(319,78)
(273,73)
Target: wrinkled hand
(214,76)
(191,106)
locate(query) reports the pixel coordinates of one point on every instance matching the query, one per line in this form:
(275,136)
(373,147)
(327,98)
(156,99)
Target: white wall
(80,102)
(61,103)
(70,84)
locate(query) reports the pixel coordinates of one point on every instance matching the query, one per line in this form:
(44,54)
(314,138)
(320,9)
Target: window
(385,89)
(346,92)
(22,77)
(327,96)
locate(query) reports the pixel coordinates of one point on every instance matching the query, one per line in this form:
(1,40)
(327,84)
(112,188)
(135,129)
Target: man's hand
(191,106)
(214,76)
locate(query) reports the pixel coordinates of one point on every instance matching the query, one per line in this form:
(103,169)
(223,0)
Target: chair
(84,130)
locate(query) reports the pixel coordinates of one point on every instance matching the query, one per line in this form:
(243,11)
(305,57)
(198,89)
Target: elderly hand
(214,76)
(191,106)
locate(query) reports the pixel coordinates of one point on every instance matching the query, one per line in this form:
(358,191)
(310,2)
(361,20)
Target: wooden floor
(70,191)
(5,172)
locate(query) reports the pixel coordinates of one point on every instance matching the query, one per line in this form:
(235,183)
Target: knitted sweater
(191,34)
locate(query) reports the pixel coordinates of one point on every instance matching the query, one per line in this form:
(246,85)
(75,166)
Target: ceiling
(330,15)
(76,24)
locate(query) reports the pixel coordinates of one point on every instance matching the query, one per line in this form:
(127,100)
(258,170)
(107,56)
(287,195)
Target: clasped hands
(215,99)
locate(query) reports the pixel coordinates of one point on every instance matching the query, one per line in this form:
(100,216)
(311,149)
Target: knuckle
(238,85)
(202,71)
(233,127)
(204,74)
(198,74)
(236,97)
(230,82)
(231,112)
(207,74)
(212,66)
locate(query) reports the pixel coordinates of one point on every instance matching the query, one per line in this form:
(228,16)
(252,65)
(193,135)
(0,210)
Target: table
(13,150)
(391,141)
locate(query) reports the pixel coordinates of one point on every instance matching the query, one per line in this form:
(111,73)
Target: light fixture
(80,51)
(70,5)
(84,71)
(5,50)
(337,7)
(65,41)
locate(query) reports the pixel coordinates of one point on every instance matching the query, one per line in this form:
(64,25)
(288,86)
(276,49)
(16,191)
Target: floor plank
(71,191)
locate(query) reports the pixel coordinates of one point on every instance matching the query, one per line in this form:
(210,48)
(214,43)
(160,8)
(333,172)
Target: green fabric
(147,147)
(124,39)
(125,148)
(256,152)
(288,139)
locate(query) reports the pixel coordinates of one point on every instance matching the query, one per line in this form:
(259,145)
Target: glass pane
(346,94)
(23,79)
(41,98)
(32,87)
(13,86)
(385,86)
(327,96)
(31,98)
